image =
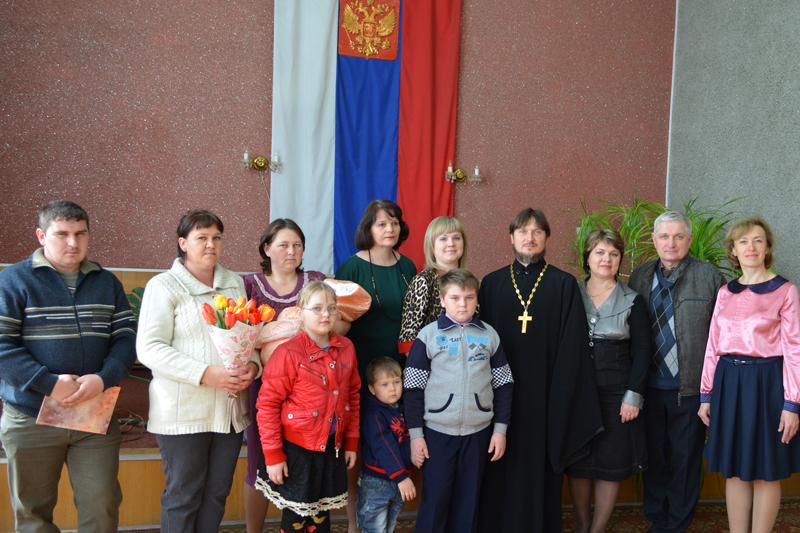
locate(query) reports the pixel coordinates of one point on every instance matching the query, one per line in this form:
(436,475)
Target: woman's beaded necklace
(375,288)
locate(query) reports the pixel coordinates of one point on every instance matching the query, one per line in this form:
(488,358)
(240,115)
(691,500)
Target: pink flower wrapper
(235,345)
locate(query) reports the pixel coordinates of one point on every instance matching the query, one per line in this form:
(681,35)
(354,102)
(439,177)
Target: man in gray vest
(680,291)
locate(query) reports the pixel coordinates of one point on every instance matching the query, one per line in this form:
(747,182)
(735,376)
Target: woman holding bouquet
(195,412)
(278,284)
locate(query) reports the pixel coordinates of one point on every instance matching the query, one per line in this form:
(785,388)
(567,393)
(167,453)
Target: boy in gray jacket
(457,394)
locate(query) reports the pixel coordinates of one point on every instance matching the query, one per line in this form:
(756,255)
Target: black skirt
(618,452)
(317,481)
(746,406)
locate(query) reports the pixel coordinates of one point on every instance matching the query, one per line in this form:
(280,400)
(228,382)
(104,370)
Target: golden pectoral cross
(525,318)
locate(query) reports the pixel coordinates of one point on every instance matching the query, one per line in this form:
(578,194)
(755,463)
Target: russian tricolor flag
(351,127)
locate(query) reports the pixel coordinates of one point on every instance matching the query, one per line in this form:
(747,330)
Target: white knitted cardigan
(172,341)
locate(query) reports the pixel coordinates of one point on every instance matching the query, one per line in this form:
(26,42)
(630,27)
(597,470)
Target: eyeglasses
(319,311)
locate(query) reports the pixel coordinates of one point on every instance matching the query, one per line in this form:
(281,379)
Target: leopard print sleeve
(416,305)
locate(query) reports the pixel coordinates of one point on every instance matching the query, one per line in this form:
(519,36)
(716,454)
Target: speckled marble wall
(140,111)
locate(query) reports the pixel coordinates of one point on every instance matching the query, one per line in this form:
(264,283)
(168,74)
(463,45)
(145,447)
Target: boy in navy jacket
(458,389)
(385,449)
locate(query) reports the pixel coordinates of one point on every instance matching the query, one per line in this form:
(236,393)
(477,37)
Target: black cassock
(555,410)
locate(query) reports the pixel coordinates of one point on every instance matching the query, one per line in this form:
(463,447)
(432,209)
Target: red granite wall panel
(559,101)
(140,111)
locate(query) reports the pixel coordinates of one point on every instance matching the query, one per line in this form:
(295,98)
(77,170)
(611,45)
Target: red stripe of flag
(428,98)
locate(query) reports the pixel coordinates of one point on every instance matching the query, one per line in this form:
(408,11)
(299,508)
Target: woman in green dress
(385,275)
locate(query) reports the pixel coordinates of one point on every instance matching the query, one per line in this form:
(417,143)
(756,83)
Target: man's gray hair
(673,216)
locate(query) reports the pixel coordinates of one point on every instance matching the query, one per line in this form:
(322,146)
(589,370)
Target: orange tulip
(241,314)
(250,305)
(267,313)
(230,319)
(240,301)
(231,302)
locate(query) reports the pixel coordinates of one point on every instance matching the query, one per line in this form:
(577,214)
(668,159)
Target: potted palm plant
(634,221)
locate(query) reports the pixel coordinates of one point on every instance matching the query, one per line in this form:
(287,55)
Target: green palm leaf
(135,301)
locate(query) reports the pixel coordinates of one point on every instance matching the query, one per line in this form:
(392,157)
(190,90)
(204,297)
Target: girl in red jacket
(308,417)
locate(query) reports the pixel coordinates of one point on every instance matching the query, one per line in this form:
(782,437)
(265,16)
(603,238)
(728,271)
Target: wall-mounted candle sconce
(261,163)
(461,175)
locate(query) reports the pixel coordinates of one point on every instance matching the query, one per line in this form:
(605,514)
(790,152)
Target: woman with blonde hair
(750,389)
(445,249)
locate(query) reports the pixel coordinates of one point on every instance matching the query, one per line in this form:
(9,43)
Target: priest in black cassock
(538,313)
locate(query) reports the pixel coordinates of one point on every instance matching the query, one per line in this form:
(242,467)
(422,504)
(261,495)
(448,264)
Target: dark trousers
(451,481)
(199,470)
(675,440)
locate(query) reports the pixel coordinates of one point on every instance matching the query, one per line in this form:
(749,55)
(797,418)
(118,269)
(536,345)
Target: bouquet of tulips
(226,312)
(233,326)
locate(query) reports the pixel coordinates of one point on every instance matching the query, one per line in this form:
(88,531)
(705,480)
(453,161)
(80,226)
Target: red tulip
(209,315)
(250,305)
(267,313)
(230,319)
(231,302)
(255,317)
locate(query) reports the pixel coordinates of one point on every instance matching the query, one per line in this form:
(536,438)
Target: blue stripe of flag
(367,125)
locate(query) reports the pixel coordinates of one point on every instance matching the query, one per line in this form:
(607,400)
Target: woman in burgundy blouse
(277,285)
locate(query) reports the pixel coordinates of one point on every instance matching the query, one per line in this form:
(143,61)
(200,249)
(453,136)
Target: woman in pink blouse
(750,391)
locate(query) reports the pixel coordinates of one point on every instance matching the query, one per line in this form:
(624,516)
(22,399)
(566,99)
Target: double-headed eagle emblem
(369,28)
